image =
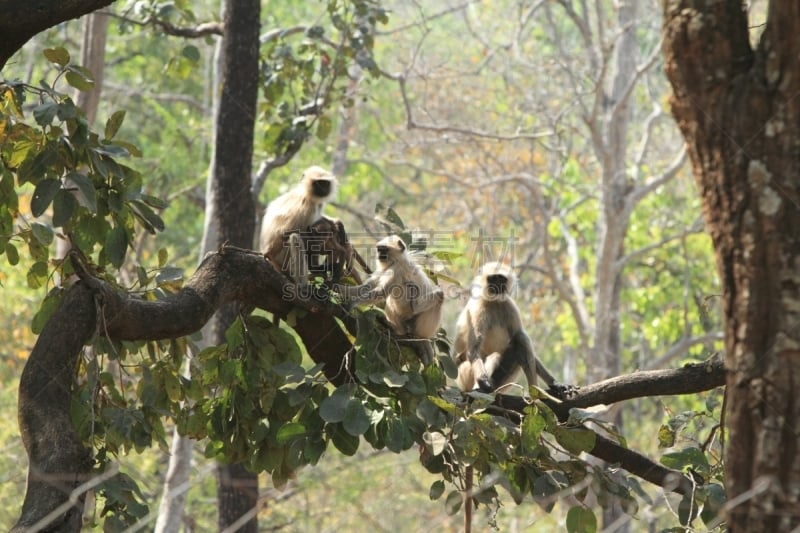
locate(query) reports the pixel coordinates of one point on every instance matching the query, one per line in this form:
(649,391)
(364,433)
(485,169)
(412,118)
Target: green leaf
(45,113)
(397,436)
(453,502)
(334,408)
(581,520)
(64,206)
(394,379)
(116,244)
(163,255)
(324,126)
(87,195)
(147,217)
(713,504)
(436,490)
(37,275)
(80,78)
(289,432)
(346,443)
(113,123)
(532,427)
(57,55)
(44,193)
(12,254)
(43,234)
(688,457)
(169,275)
(666,436)
(575,440)
(191,53)
(356,420)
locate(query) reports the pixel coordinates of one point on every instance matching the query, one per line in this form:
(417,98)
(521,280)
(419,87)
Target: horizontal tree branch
(689,379)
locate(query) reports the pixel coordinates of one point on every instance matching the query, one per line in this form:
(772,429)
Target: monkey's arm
(425,301)
(369,292)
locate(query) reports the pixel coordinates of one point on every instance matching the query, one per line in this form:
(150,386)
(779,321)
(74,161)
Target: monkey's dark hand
(485,384)
(561,390)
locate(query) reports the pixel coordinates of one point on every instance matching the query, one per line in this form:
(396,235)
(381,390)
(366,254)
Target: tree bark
(23,20)
(738,110)
(58,461)
(176,481)
(93,56)
(234,210)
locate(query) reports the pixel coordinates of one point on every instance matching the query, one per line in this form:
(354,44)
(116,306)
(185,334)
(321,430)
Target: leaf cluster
(79,184)
(301,81)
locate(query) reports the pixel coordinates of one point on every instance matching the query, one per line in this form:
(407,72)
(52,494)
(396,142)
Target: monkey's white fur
(413,303)
(293,212)
(490,345)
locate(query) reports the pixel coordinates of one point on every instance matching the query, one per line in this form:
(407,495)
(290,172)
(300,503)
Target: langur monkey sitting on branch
(413,302)
(491,346)
(291,213)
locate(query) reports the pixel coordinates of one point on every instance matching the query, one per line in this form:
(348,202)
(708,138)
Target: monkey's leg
(466,376)
(533,367)
(499,369)
(426,322)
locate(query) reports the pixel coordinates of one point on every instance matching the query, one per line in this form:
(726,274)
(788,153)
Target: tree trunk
(234,207)
(176,483)
(93,57)
(738,110)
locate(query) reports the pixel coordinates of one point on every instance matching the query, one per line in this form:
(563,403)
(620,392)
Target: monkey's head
(389,250)
(320,184)
(496,281)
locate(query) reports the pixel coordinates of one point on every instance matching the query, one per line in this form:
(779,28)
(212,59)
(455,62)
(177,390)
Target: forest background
(491,128)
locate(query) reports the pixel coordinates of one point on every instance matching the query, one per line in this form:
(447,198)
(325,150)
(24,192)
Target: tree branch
(23,20)
(58,461)
(686,380)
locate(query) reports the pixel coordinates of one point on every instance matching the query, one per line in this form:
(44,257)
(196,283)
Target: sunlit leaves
(305,77)
(113,124)
(57,55)
(77,179)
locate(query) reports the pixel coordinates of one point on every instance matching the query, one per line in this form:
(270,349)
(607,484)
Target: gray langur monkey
(413,302)
(291,213)
(491,346)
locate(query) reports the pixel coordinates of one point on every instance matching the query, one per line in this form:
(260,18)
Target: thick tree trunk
(234,209)
(739,112)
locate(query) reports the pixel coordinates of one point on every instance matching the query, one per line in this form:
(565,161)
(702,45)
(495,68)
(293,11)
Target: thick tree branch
(60,464)
(686,380)
(23,20)
(58,460)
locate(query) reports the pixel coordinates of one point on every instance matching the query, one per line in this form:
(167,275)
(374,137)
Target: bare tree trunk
(611,147)
(176,482)
(738,110)
(237,489)
(93,57)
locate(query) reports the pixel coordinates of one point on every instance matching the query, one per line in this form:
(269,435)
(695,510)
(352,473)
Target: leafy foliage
(75,173)
(251,399)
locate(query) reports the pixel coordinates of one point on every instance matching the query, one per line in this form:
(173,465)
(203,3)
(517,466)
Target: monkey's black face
(496,284)
(383,252)
(321,188)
